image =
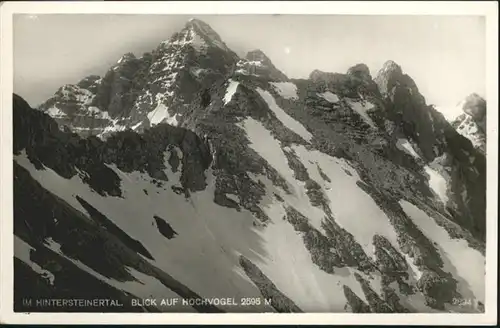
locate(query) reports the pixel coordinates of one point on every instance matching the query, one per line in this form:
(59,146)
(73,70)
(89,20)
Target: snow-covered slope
(231,181)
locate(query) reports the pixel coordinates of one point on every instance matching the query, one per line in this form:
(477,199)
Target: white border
(488,9)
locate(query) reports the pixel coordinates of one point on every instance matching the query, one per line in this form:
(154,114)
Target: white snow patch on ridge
(286,119)
(255,62)
(413,268)
(230,91)
(56,112)
(330,97)
(136,126)
(287,90)
(361,109)
(98,113)
(469,129)
(160,114)
(437,183)
(197,41)
(459,259)
(404,145)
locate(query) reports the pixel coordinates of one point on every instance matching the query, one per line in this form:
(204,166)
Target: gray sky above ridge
(445,55)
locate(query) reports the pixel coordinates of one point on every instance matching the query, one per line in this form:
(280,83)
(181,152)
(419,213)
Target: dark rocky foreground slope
(192,173)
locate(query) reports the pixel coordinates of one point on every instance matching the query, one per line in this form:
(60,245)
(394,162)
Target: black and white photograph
(188,161)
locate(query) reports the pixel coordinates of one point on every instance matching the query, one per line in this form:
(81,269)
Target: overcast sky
(445,55)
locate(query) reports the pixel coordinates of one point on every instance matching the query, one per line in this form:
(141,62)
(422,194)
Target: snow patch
(197,41)
(233,197)
(263,142)
(22,252)
(98,113)
(297,275)
(361,108)
(286,119)
(437,183)
(459,259)
(287,90)
(134,127)
(230,91)
(344,196)
(330,97)
(415,271)
(196,71)
(160,114)
(114,128)
(254,63)
(469,129)
(56,112)
(405,145)
(221,233)
(343,193)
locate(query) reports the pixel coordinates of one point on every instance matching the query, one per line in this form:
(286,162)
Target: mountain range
(190,172)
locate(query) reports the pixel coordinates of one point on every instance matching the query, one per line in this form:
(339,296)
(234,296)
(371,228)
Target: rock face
(192,173)
(437,144)
(472,123)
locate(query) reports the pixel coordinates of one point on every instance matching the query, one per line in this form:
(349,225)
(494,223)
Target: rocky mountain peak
(316,75)
(126,57)
(475,106)
(89,81)
(361,71)
(472,123)
(201,27)
(200,35)
(257,63)
(258,55)
(390,67)
(388,75)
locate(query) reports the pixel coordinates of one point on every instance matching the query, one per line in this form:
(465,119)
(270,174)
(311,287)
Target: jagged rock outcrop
(141,92)
(472,123)
(436,142)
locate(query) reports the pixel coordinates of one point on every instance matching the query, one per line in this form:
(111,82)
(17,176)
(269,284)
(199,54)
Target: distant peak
(198,27)
(360,70)
(390,66)
(194,22)
(388,75)
(475,106)
(261,65)
(201,28)
(318,75)
(474,96)
(125,57)
(257,55)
